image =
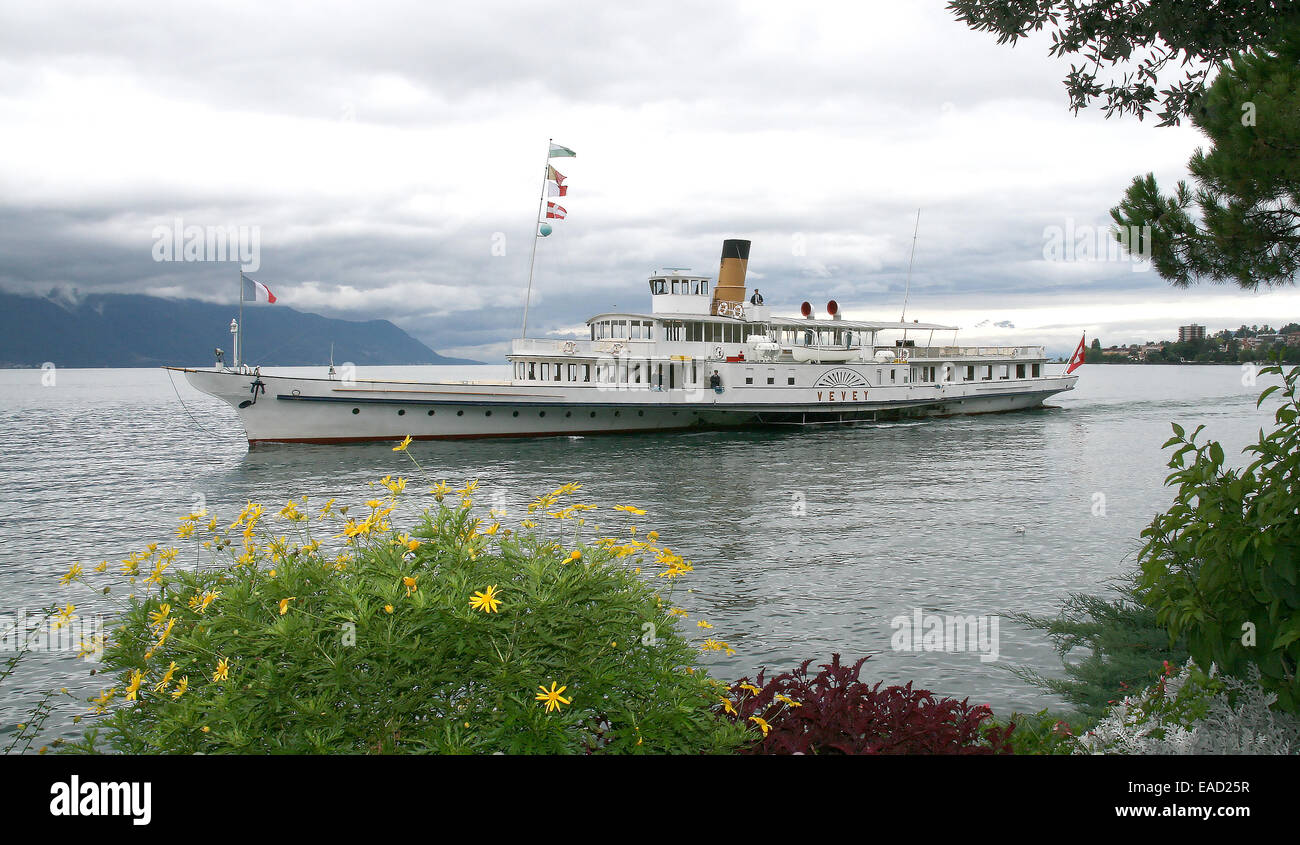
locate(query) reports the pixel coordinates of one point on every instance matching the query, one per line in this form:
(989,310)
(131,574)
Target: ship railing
(567,348)
(967,351)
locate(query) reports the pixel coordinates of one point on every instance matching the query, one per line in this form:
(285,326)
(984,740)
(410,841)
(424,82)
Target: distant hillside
(125,330)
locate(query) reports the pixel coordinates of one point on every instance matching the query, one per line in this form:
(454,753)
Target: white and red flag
(1076,360)
(254,291)
(556,211)
(558,178)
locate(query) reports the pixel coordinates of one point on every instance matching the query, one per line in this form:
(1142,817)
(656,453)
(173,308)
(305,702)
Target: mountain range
(134,330)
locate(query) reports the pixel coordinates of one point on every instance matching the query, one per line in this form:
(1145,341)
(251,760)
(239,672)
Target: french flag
(254,291)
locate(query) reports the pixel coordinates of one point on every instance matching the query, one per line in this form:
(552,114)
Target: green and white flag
(561,152)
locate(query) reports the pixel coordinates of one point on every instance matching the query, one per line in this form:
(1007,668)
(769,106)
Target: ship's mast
(541,199)
(908,286)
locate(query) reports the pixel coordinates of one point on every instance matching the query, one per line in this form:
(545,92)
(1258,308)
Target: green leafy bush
(463,636)
(1221,566)
(1043,733)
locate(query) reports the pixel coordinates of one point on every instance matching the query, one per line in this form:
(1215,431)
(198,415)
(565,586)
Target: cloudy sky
(386,154)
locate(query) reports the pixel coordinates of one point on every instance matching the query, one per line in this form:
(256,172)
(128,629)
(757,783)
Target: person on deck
(757,298)
(715,382)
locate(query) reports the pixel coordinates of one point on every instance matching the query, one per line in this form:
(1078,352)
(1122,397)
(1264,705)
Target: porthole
(568,413)
(356,410)
(593,415)
(618,413)
(514,414)
(401,412)
(430,412)
(460,413)
(487,413)
(541,413)
(640,413)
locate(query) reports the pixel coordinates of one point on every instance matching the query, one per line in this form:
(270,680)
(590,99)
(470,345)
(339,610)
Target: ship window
(635,333)
(970,372)
(749,375)
(1003,371)
(656,286)
(704,287)
(586,372)
(789,377)
(988,373)
(573,372)
(546,371)
(559,370)
(1020,370)
(693,332)
(1037,370)
(880,376)
(620,328)
(893,374)
(695,286)
(771,376)
(519,370)
(532,370)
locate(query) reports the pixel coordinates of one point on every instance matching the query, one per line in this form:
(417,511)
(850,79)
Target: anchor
(257,386)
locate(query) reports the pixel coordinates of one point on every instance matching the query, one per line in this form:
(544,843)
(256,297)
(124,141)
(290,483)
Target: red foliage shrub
(836,712)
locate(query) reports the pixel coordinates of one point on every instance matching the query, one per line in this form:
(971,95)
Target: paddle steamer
(702,356)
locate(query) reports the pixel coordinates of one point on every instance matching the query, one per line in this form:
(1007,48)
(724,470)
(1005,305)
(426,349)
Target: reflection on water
(805,542)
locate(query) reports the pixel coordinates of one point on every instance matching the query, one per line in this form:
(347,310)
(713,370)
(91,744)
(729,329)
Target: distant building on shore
(1190,333)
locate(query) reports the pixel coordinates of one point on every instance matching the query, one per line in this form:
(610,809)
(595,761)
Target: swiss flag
(1076,360)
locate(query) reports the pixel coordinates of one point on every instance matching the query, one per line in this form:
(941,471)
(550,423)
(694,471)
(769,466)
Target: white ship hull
(324,411)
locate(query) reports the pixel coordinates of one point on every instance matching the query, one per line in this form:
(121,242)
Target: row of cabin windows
(824,337)
(694,287)
(666,375)
(691,331)
(770,376)
(988,372)
(552,371)
(623,330)
(973,372)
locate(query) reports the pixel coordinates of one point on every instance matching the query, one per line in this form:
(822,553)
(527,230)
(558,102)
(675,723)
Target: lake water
(804,542)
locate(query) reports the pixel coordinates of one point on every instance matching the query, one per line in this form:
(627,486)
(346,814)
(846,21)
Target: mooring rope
(197,424)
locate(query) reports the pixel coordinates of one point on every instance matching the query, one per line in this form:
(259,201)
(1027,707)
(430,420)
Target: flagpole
(239,335)
(528,295)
